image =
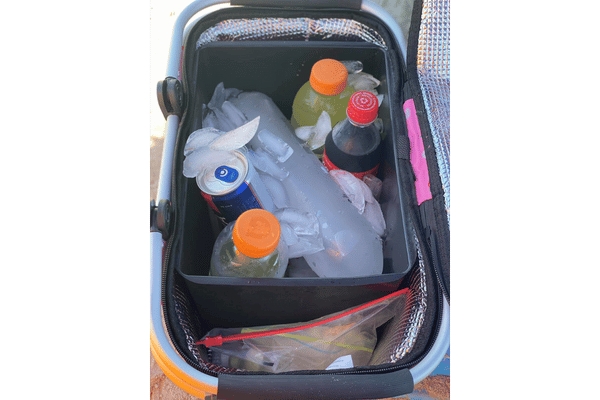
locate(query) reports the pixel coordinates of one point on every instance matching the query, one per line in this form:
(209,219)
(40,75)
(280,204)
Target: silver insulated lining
(401,333)
(298,29)
(433,69)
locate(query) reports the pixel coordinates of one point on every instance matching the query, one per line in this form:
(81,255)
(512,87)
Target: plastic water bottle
(250,247)
(354,145)
(351,246)
(327,90)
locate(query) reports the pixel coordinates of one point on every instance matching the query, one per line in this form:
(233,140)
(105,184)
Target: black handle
(153,227)
(307,387)
(346,4)
(161,217)
(170,96)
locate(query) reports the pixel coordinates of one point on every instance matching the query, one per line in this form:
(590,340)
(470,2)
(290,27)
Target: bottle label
(342,362)
(331,166)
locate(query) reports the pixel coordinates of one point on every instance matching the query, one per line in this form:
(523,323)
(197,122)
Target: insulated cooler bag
(269,46)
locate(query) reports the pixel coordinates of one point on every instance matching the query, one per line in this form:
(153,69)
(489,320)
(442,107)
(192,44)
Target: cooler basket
(261,46)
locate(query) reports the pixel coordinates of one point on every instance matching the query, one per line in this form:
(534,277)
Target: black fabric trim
(403,147)
(440,227)
(413,39)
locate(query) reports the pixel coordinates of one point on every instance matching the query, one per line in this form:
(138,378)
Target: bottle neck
(328,92)
(255,256)
(359,125)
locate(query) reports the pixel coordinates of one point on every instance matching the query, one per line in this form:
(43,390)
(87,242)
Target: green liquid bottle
(327,90)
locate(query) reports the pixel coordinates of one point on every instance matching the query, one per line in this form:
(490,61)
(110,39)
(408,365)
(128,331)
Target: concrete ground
(163,15)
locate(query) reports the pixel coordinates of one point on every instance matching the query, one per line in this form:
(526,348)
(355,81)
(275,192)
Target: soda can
(233,188)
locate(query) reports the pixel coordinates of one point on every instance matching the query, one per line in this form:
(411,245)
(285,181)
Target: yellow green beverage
(309,104)
(327,90)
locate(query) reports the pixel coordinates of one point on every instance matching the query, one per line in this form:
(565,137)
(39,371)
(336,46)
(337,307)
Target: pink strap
(417,152)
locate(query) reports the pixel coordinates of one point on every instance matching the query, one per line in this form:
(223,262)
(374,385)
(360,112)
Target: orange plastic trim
(176,375)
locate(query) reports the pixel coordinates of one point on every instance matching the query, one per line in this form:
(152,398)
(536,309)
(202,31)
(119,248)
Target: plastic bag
(341,340)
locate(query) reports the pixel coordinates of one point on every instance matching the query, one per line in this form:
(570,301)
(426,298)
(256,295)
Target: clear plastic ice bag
(341,340)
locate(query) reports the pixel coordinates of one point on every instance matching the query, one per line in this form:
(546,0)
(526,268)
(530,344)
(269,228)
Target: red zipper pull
(211,341)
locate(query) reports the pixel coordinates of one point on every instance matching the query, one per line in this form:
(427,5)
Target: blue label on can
(226,174)
(235,203)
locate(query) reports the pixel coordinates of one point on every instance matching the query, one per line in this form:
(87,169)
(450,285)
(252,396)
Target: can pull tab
(226,174)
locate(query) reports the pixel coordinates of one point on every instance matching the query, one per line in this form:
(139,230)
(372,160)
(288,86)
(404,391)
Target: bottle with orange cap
(326,90)
(250,247)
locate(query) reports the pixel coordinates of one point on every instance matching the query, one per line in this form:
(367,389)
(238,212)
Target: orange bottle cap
(328,77)
(256,233)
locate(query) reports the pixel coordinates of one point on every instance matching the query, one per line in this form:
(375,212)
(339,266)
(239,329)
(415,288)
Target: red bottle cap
(363,107)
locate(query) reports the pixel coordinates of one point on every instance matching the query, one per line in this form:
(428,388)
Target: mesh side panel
(189,323)
(433,68)
(299,29)
(400,335)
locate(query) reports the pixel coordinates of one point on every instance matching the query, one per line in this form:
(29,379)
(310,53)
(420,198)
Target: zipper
(163,298)
(436,264)
(163,301)
(426,213)
(169,246)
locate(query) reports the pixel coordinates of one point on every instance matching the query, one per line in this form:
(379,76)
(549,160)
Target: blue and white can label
(226,174)
(233,204)
(232,189)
